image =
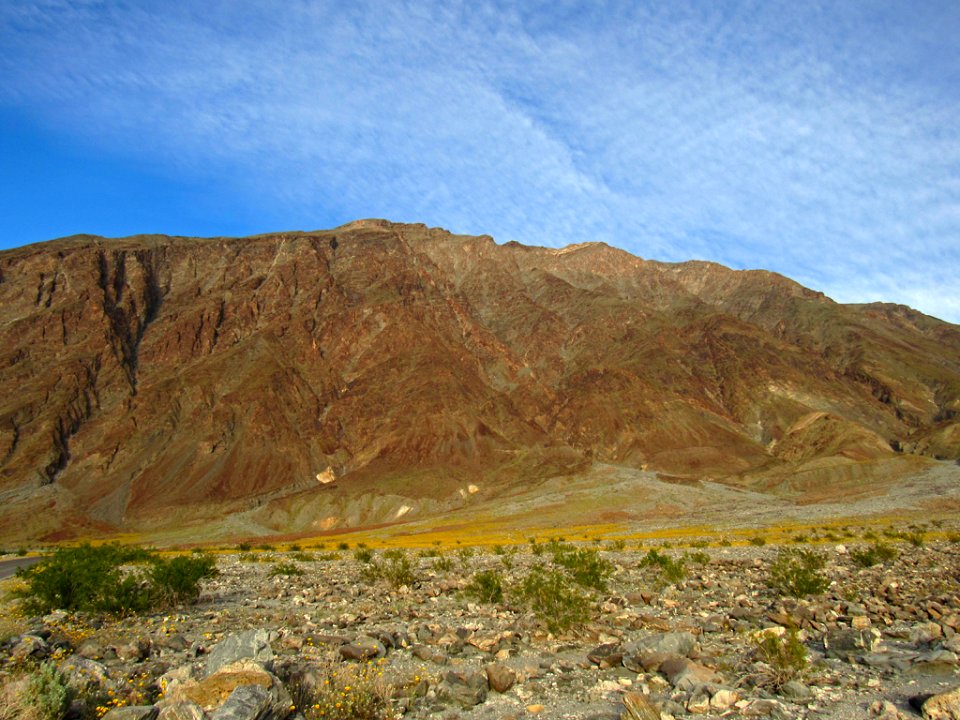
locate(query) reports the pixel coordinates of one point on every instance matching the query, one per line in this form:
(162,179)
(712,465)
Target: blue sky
(816,139)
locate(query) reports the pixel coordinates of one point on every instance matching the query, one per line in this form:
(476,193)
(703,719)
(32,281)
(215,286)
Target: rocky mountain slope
(379,372)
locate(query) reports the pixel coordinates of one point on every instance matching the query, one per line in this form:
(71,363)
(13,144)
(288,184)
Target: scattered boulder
(132,712)
(248,702)
(181,710)
(211,692)
(252,644)
(500,677)
(466,688)
(945,706)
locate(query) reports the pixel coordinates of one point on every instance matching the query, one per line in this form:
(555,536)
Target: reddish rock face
(151,381)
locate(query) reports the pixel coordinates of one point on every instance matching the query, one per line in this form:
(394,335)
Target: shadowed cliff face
(151,381)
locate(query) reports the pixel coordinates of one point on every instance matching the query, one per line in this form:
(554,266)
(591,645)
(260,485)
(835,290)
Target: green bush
(363,555)
(873,555)
(177,580)
(485,586)
(785,658)
(285,569)
(443,564)
(396,569)
(244,547)
(586,567)
(758,541)
(915,538)
(112,579)
(551,597)
(673,571)
(41,695)
(796,572)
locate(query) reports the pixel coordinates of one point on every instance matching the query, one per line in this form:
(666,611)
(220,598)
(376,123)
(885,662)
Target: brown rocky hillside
(153,381)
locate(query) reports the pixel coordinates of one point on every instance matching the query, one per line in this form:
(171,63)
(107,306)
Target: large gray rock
(686,675)
(671,643)
(466,688)
(364,648)
(848,643)
(252,644)
(182,710)
(247,702)
(132,712)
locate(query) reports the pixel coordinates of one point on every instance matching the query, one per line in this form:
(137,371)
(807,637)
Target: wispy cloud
(818,140)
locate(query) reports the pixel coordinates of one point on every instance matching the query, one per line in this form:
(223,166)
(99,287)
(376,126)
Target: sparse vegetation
(585,566)
(485,586)
(364,555)
(41,695)
(784,659)
(551,596)
(111,579)
(873,555)
(285,569)
(796,572)
(396,569)
(673,571)
(346,692)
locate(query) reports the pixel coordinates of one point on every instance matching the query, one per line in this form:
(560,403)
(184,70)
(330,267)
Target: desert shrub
(498,549)
(396,569)
(303,557)
(796,572)
(535,547)
(699,557)
(873,555)
(618,545)
(285,569)
(266,547)
(294,548)
(800,538)
(784,659)
(485,586)
(953,537)
(21,552)
(249,557)
(586,567)
(673,571)
(758,541)
(41,695)
(343,546)
(354,691)
(551,596)
(244,547)
(177,580)
(443,564)
(724,542)
(100,579)
(363,555)
(429,553)
(915,537)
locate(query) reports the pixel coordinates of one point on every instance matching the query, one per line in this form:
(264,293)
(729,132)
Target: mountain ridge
(163,380)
